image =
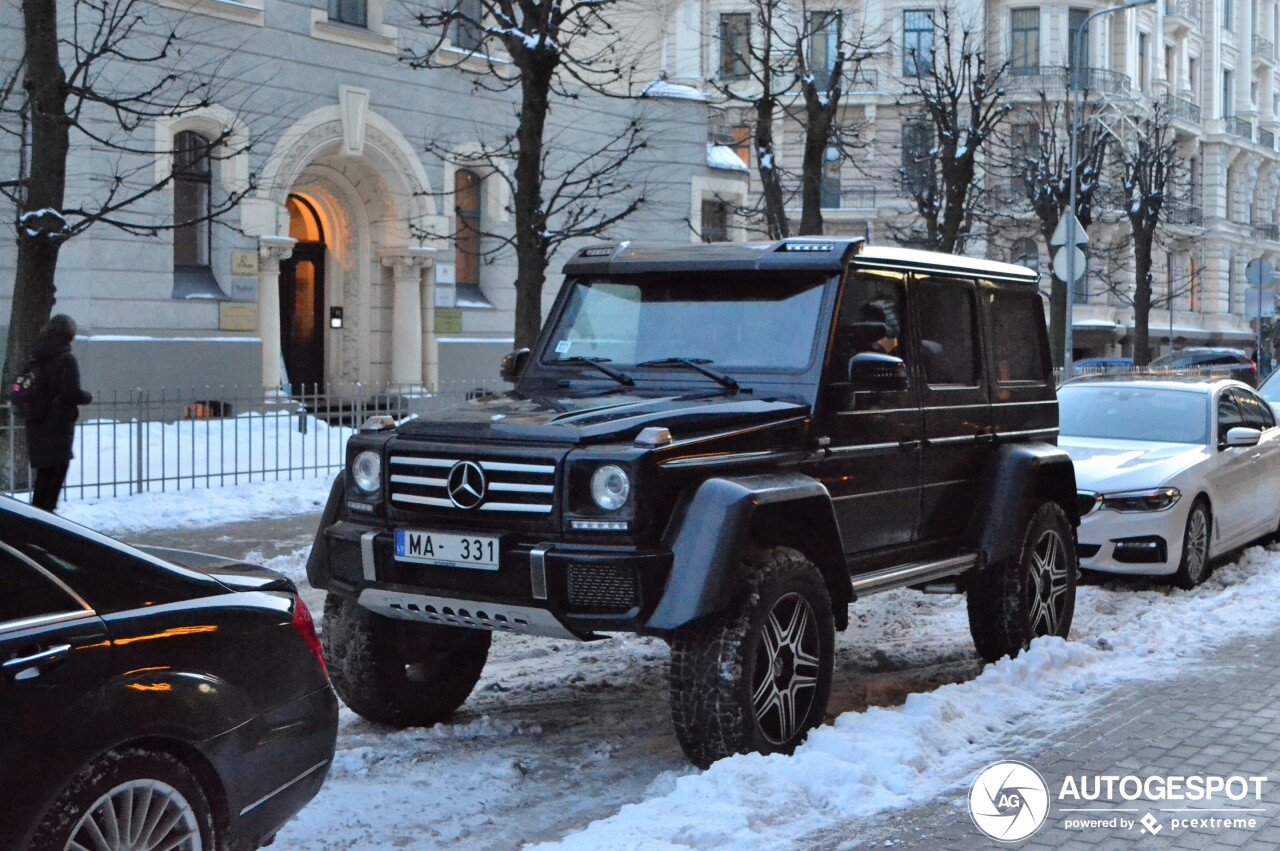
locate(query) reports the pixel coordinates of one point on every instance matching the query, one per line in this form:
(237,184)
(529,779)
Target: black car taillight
(306,627)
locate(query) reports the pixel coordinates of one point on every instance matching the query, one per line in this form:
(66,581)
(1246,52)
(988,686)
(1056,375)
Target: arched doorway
(302,302)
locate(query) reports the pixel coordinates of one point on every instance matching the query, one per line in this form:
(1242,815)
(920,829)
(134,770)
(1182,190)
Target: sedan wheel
(141,815)
(1193,568)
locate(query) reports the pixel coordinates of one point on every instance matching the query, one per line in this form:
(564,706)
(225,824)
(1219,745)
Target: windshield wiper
(599,363)
(721,378)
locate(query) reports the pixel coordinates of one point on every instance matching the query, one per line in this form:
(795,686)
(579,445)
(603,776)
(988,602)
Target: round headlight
(610,487)
(366,471)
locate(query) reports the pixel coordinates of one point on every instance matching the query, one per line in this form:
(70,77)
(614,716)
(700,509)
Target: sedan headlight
(610,487)
(366,471)
(1152,500)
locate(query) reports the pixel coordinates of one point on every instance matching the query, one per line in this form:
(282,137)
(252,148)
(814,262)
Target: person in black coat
(50,435)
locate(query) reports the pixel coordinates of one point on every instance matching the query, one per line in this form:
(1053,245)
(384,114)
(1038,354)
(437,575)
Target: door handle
(26,667)
(910,445)
(986,437)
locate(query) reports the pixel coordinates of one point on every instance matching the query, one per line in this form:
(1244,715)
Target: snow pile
(885,758)
(725,158)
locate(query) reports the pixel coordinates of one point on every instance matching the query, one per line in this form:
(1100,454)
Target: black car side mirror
(877,373)
(513,363)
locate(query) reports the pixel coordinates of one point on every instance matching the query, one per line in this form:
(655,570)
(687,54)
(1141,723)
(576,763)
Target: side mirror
(877,373)
(1243,436)
(513,363)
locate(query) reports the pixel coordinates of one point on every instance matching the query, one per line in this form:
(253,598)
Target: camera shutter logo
(1009,801)
(466,485)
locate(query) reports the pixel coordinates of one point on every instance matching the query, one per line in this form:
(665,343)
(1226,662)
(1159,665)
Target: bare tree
(955,101)
(1151,165)
(89,81)
(793,62)
(1039,160)
(557,51)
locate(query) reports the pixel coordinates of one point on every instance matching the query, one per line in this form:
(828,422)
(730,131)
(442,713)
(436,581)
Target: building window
(192,181)
(831,180)
(466,235)
(1075,22)
(735,46)
(824,45)
(715,221)
(1024,140)
(741,135)
(1024,53)
(1142,62)
(917,161)
(1025,253)
(917,42)
(1193,77)
(1226,94)
(1226,15)
(353,12)
(468,32)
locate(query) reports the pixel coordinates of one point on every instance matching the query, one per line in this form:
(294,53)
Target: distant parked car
(148,705)
(1269,390)
(1170,472)
(1206,360)
(1094,365)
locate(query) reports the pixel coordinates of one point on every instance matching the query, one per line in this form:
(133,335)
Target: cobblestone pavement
(1222,718)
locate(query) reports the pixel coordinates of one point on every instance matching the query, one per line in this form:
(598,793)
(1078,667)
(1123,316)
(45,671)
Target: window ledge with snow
(725,158)
(228,10)
(352,36)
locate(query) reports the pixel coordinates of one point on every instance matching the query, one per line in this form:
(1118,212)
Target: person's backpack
(28,396)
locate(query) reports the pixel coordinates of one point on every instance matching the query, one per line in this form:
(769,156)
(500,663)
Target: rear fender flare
(1018,477)
(710,529)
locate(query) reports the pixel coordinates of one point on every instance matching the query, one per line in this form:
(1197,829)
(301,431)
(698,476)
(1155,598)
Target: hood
(581,419)
(1110,466)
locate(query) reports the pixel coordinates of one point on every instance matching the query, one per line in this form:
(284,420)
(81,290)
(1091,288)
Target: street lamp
(1076,89)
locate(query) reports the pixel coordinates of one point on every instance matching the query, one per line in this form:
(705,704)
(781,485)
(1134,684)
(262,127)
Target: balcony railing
(1266,139)
(1183,9)
(1237,126)
(1053,78)
(1263,48)
(852,198)
(1269,232)
(1182,213)
(1180,107)
(864,80)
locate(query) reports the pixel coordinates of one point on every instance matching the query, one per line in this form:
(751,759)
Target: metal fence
(166,440)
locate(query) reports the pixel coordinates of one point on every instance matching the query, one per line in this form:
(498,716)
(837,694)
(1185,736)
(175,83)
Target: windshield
(735,320)
(1127,413)
(1270,389)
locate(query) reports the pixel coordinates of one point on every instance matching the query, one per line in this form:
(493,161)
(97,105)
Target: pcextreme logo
(1008,801)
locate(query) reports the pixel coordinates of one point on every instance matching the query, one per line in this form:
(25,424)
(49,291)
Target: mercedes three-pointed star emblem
(466,484)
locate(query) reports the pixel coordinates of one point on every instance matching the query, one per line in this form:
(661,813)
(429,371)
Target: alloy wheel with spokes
(1193,567)
(787,665)
(1048,575)
(139,815)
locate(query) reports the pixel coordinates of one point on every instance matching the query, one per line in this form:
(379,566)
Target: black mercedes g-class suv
(726,446)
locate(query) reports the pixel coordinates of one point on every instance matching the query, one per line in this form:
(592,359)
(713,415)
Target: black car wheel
(1029,595)
(1194,565)
(129,800)
(757,676)
(396,672)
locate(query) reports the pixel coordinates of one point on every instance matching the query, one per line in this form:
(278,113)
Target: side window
(1255,412)
(1228,416)
(1016,322)
(948,332)
(871,320)
(28,593)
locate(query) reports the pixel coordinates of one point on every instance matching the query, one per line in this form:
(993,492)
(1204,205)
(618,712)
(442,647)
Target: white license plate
(480,552)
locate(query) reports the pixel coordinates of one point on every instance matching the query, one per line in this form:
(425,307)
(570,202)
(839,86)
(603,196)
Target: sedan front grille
(461,484)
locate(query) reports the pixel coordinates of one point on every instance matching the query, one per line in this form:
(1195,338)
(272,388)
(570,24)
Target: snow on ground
(570,744)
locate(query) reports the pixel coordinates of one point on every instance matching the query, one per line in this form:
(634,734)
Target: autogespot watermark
(1010,800)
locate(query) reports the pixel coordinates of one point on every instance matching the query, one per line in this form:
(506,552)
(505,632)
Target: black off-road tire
(396,672)
(1193,567)
(146,783)
(1030,595)
(722,701)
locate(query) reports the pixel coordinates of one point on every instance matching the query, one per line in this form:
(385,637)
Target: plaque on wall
(448,320)
(237,316)
(244,263)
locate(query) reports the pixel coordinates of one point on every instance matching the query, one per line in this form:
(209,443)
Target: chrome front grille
(465,484)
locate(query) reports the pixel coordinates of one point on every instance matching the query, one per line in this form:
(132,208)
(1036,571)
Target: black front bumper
(540,587)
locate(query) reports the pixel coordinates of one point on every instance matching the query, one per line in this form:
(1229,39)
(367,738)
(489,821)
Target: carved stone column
(271,250)
(408,334)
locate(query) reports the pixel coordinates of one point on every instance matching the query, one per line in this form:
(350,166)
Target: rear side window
(948,331)
(28,593)
(1017,328)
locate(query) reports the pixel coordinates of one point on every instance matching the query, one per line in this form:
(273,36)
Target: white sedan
(1169,473)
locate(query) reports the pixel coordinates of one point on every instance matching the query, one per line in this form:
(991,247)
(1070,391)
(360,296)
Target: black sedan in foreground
(151,703)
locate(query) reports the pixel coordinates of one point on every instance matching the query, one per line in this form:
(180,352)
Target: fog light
(599,525)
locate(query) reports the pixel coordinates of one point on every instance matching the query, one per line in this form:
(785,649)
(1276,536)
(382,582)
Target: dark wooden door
(302,320)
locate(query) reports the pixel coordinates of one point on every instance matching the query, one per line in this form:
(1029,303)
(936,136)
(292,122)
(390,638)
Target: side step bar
(910,574)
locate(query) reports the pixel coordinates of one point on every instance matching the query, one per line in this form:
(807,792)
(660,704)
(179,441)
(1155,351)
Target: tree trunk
(1142,297)
(37,263)
(817,137)
(530,217)
(775,213)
